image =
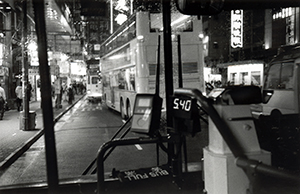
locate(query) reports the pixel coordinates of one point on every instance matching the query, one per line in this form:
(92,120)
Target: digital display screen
(184,107)
(144,102)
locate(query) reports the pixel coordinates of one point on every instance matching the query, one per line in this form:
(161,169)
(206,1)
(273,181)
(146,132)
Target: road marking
(14,134)
(138,147)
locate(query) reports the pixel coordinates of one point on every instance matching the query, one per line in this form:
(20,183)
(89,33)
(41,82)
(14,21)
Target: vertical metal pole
(51,158)
(168,69)
(180,85)
(111,17)
(25,115)
(158,68)
(180,82)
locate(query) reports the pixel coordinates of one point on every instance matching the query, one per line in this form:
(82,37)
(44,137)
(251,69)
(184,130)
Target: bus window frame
(93,78)
(188,23)
(297,82)
(280,85)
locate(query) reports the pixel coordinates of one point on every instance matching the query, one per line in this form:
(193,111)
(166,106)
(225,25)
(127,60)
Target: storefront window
(255,78)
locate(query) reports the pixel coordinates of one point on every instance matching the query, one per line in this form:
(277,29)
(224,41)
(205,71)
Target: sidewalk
(14,141)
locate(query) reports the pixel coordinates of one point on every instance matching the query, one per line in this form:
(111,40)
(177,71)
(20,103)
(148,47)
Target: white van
(282,83)
(94,88)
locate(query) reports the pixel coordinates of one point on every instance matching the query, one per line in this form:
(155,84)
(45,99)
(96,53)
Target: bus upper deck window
(179,23)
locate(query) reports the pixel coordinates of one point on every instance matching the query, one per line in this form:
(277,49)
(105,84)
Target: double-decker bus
(129,58)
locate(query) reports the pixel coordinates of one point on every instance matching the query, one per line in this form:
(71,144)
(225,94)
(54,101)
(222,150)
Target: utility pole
(166,7)
(51,157)
(25,113)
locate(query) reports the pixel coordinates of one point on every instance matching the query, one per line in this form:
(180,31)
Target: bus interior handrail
(120,142)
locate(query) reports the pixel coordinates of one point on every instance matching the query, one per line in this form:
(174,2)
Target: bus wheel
(123,116)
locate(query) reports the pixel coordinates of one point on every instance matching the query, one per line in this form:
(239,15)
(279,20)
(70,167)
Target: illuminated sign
(237,28)
(184,107)
(290,30)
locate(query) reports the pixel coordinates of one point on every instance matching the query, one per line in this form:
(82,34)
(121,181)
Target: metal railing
(120,142)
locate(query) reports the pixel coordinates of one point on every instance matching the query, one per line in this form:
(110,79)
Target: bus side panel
(142,69)
(107,91)
(107,96)
(193,77)
(285,100)
(192,51)
(116,99)
(281,100)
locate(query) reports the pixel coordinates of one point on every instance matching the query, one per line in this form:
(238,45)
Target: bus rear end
(94,88)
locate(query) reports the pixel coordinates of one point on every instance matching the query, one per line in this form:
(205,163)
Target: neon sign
(237,28)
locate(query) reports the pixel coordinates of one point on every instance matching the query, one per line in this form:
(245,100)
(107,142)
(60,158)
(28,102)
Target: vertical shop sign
(290,35)
(237,28)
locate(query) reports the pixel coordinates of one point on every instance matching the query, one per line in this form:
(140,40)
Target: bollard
(31,120)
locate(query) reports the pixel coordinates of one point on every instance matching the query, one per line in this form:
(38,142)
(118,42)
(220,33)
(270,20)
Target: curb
(17,153)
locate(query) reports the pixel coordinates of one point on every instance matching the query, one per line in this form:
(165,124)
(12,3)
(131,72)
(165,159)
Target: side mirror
(267,94)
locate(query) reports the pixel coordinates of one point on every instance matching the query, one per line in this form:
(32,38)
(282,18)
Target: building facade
(248,35)
(64,43)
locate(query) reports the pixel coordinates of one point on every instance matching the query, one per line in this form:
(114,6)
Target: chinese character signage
(290,31)
(237,28)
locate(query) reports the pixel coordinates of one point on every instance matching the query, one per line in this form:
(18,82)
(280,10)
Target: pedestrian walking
(58,94)
(74,87)
(70,94)
(2,101)
(19,94)
(65,91)
(29,90)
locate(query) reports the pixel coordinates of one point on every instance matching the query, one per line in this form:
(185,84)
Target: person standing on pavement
(70,94)
(19,94)
(58,90)
(2,102)
(29,90)
(64,92)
